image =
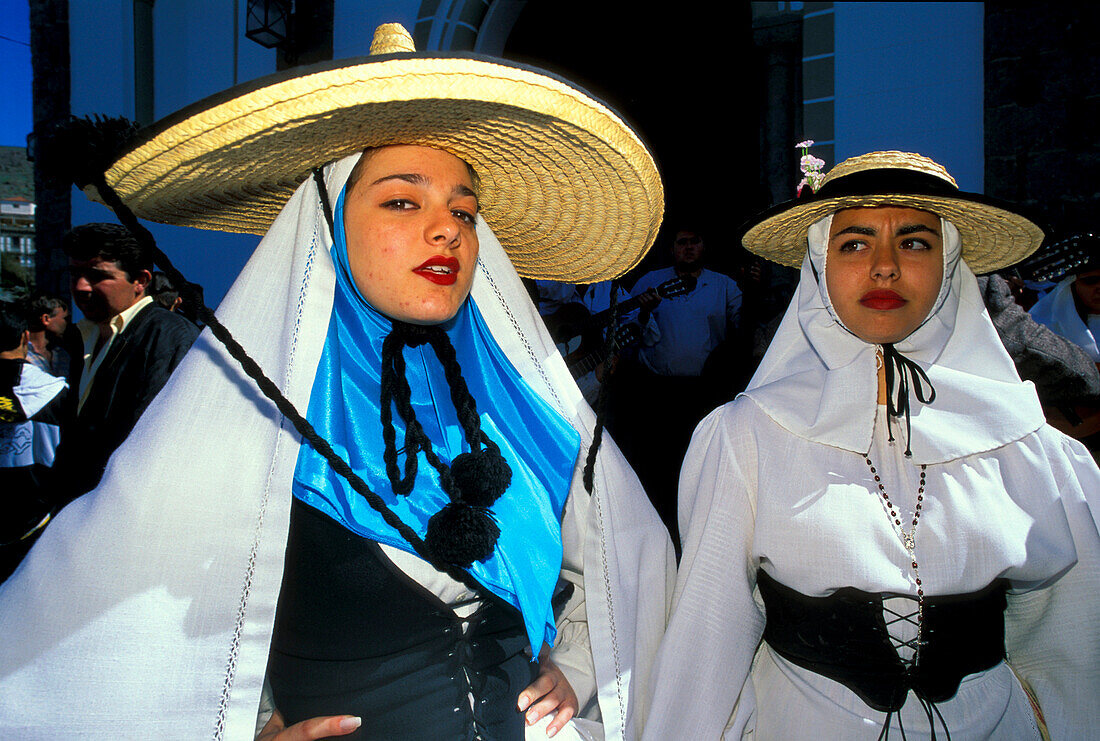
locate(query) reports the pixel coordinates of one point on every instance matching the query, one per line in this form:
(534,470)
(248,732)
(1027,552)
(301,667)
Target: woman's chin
(426,314)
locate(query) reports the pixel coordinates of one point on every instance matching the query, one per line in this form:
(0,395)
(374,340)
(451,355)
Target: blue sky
(15,59)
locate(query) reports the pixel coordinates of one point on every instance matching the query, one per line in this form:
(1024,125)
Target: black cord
(322,190)
(588,474)
(910,375)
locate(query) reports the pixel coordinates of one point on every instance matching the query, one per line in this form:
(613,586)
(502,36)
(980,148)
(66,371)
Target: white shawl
(147,606)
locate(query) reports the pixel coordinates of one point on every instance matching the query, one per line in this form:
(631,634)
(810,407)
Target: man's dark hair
(689,228)
(112,242)
(39,304)
(12,327)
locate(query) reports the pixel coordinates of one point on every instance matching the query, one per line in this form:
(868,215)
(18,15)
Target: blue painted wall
(909,76)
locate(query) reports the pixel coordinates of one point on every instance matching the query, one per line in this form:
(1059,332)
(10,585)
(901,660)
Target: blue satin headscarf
(539,445)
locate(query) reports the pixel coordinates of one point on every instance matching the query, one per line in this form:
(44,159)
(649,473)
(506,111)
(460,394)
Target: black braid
(602,399)
(463,400)
(322,190)
(272,392)
(464,530)
(394,380)
(395,390)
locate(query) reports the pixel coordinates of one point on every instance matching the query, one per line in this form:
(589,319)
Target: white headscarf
(1058,311)
(149,602)
(819,381)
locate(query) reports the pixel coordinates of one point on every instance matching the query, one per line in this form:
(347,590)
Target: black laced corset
(844,637)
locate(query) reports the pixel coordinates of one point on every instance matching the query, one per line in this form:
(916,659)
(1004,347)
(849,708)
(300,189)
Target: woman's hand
(549,692)
(308,730)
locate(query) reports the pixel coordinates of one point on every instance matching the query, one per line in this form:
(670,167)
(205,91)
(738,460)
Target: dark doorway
(685,78)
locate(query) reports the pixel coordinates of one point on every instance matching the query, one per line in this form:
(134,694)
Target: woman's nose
(884,263)
(442,229)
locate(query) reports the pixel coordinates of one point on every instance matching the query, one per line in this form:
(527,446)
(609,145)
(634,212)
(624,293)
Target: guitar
(681,285)
(577,333)
(625,336)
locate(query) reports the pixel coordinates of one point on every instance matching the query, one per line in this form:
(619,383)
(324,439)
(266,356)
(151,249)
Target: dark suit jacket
(136,367)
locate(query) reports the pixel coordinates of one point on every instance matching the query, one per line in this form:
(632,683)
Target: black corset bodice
(355,635)
(844,637)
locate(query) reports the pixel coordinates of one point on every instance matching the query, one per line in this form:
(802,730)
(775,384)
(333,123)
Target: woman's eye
(399,204)
(463,215)
(852,245)
(915,244)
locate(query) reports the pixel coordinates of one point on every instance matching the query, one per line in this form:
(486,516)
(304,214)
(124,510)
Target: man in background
(32,408)
(672,390)
(47,319)
(131,347)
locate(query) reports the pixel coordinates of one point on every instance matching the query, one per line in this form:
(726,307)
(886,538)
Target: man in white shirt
(669,393)
(693,325)
(131,347)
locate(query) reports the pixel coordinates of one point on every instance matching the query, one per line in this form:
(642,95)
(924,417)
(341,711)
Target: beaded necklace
(908,539)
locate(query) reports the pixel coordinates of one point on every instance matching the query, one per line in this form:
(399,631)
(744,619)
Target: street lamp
(268,22)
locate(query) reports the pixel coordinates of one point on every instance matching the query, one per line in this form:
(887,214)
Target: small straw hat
(993,237)
(569,189)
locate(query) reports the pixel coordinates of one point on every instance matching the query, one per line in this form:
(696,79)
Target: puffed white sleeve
(701,686)
(1052,637)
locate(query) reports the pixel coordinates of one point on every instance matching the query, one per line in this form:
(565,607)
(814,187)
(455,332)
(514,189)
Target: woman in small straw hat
(857,520)
(366,505)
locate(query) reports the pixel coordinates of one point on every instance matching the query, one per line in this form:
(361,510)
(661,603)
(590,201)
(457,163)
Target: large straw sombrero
(993,237)
(567,186)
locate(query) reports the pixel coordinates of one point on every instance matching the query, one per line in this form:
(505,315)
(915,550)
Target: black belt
(844,637)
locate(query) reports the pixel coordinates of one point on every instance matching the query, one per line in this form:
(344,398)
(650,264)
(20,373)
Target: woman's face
(1087,289)
(883,270)
(409,220)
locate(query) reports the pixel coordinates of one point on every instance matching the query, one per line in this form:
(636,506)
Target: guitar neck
(604,317)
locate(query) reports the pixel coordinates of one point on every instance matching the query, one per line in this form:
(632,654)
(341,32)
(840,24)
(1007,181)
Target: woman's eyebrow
(414,178)
(463,190)
(914,229)
(865,231)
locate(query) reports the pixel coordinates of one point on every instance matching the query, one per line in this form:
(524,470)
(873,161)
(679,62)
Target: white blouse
(753,495)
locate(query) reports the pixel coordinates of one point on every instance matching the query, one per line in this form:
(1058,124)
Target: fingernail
(524,701)
(550,733)
(350,723)
(532,717)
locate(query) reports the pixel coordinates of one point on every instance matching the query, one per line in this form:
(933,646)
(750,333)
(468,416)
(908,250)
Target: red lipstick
(882,300)
(439,270)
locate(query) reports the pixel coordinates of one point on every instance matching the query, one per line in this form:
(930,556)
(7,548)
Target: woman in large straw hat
(439,539)
(857,518)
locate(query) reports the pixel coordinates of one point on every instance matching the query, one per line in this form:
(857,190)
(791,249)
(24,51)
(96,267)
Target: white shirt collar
(90,332)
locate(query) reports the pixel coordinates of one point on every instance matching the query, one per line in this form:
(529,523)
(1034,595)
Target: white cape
(146,608)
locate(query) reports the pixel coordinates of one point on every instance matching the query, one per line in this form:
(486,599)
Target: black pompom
(481,476)
(82,149)
(460,534)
